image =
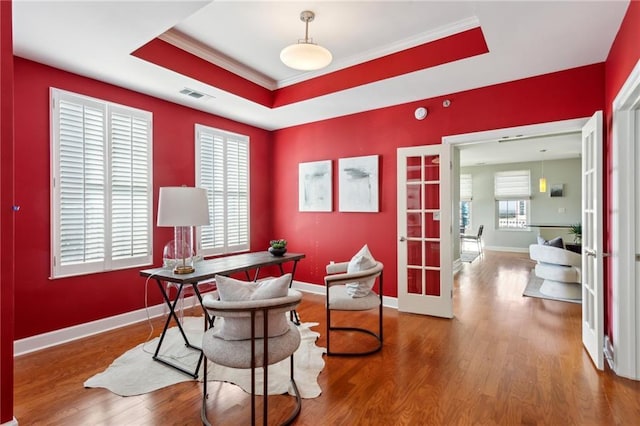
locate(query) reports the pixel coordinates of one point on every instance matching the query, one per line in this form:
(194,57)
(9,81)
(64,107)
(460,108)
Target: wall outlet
(562,210)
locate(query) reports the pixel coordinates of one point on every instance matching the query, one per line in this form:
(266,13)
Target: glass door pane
(423,225)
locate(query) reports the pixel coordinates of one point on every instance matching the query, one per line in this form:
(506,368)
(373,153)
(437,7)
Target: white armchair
(560,270)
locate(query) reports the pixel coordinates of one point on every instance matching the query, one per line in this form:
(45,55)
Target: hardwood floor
(504,359)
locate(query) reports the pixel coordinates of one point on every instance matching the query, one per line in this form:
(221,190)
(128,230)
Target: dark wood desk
(206,271)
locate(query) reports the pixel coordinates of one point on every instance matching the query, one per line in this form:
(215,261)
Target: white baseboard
(509,249)
(389,302)
(13,422)
(608,353)
(457,266)
(64,335)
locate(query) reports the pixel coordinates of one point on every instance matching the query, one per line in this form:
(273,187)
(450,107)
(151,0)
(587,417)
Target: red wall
(322,236)
(337,236)
(42,304)
(7,232)
(623,56)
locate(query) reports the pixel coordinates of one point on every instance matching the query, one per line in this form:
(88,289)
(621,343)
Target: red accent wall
(44,305)
(623,56)
(7,239)
(337,236)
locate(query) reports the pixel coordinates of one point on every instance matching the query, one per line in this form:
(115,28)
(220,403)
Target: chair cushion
(361,261)
(237,353)
(341,300)
(232,290)
(555,242)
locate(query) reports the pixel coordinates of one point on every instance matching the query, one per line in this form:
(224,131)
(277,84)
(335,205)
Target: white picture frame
(315,186)
(358,184)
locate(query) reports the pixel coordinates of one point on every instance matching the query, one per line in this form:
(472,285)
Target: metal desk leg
(172,314)
(294,314)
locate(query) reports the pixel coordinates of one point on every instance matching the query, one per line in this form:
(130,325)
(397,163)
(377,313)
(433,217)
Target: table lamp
(183,208)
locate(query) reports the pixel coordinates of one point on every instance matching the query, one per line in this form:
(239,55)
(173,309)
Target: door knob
(403,239)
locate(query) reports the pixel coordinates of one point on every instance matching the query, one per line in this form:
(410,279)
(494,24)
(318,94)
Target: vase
(277,251)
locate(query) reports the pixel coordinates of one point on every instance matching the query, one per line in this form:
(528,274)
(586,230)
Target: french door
(592,259)
(425,275)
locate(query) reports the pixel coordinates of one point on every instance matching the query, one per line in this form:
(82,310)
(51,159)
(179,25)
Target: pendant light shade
(305,55)
(542,184)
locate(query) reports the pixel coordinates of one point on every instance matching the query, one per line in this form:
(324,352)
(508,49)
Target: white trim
(609,353)
(387,301)
(69,334)
(13,422)
(508,249)
(64,335)
(413,41)
(573,125)
(457,266)
(626,298)
(188,44)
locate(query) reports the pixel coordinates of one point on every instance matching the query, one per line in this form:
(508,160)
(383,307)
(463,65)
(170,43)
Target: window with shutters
(466,196)
(101,188)
(222,168)
(512,193)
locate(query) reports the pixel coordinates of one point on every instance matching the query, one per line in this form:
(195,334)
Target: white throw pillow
(232,290)
(362,261)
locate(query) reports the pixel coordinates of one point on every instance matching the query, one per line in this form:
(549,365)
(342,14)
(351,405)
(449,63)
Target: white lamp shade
(182,206)
(305,56)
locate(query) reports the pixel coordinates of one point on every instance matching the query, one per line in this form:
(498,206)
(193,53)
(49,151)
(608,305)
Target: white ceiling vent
(196,95)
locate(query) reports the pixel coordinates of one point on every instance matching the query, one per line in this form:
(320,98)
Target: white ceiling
(523,149)
(525,38)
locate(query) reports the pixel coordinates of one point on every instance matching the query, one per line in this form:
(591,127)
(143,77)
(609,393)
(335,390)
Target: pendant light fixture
(543,180)
(305,55)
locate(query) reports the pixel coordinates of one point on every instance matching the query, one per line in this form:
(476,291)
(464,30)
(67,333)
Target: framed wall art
(358,184)
(314,186)
(556,190)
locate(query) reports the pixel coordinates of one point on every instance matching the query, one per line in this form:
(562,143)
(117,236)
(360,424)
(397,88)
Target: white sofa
(560,270)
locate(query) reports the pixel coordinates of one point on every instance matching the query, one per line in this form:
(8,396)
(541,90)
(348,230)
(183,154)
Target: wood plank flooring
(504,359)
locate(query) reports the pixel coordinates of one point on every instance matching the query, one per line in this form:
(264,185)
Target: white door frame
(624,351)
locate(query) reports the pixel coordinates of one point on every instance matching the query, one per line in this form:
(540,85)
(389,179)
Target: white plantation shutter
(466,187)
(81,183)
(130,184)
(512,185)
(222,168)
(101,185)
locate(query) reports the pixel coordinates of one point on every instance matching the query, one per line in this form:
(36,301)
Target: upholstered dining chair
(254,318)
(339,299)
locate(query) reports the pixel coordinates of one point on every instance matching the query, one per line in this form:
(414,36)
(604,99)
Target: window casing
(101,185)
(466,196)
(222,168)
(512,193)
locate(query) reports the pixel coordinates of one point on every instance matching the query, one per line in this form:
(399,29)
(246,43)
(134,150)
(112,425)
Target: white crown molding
(407,43)
(188,44)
